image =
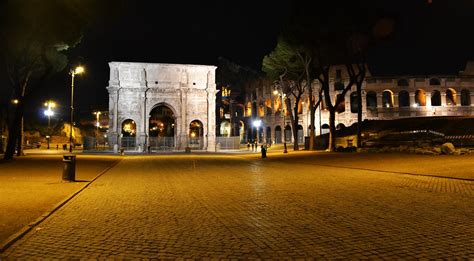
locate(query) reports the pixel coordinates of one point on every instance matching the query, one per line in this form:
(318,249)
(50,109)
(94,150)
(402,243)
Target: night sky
(422,38)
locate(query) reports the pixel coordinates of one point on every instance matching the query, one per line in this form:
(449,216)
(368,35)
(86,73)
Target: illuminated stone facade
(135,89)
(383,98)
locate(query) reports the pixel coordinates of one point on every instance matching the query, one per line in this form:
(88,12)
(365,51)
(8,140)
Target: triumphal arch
(156,106)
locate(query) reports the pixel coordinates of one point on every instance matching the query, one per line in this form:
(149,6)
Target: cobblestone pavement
(242,207)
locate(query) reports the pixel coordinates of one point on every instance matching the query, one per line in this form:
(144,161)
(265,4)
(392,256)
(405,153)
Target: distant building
(383,98)
(231,82)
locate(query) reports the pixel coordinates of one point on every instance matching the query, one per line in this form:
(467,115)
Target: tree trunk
(312,111)
(295,129)
(19,144)
(14,131)
(332,129)
(292,119)
(359,114)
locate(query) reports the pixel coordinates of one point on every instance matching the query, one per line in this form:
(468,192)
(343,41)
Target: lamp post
(280,93)
(257,124)
(49,112)
(97,124)
(77,70)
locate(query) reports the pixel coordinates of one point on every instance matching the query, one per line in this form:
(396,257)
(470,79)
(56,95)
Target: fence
(92,143)
(161,143)
(128,143)
(228,143)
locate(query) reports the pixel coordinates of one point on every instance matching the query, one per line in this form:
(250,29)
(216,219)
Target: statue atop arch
(162,108)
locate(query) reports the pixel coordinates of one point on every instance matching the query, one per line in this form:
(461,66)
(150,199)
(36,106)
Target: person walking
(253,146)
(263,149)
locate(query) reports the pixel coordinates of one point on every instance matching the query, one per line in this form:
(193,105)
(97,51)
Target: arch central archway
(161,128)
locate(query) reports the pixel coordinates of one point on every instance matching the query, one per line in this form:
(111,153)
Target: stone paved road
(242,207)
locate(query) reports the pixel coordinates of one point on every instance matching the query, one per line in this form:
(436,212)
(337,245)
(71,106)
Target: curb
(23,231)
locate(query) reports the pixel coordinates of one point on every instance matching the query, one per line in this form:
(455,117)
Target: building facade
(154,106)
(383,98)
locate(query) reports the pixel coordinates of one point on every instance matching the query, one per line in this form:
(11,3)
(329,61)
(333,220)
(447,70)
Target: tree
(36,35)
(331,38)
(284,66)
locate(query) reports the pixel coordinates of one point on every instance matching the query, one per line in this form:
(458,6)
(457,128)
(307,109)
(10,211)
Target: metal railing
(128,143)
(228,143)
(196,143)
(92,143)
(161,143)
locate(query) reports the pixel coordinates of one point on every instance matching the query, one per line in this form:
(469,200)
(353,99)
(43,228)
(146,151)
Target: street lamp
(257,124)
(97,124)
(73,72)
(282,114)
(49,112)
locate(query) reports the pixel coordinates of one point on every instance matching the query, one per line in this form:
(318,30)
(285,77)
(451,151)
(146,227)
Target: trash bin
(69,167)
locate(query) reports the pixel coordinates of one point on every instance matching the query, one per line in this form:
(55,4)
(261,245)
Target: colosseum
(383,98)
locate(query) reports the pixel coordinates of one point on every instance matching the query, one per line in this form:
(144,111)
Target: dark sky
(422,38)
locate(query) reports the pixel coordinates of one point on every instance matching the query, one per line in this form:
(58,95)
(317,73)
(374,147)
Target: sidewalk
(32,185)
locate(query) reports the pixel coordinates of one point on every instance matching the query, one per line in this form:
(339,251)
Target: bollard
(69,168)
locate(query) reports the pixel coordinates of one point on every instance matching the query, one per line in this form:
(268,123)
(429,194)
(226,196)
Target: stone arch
(420,97)
(387,98)
(241,132)
(225,128)
(162,121)
(354,102)
(300,134)
(403,99)
(341,107)
(450,96)
(239,110)
(129,128)
(268,135)
(324,128)
(287,133)
(277,105)
(165,104)
(162,126)
(248,109)
(371,99)
(340,126)
(268,107)
(261,109)
(300,106)
(128,134)
(277,134)
(465,97)
(196,134)
(435,98)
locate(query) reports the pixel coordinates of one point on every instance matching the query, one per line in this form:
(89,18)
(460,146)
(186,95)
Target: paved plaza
(302,205)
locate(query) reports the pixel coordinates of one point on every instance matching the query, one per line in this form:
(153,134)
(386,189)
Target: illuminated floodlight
(48,112)
(257,123)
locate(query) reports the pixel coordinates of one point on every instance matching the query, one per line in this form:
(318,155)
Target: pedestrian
(253,146)
(57,146)
(256,146)
(64,147)
(149,148)
(263,149)
(248,144)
